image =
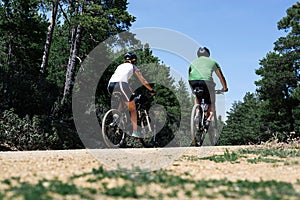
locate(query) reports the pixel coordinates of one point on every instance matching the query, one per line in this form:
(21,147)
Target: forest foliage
(43,44)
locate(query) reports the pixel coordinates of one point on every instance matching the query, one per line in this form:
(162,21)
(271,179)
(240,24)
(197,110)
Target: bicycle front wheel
(113,135)
(148,128)
(197,130)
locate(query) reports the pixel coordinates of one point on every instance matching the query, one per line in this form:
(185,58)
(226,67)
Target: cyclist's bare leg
(210,110)
(133,114)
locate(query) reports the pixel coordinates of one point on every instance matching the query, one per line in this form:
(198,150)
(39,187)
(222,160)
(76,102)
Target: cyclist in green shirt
(200,75)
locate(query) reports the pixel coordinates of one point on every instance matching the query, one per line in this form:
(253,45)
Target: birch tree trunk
(49,36)
(10,51)
(71,69)
(75,46)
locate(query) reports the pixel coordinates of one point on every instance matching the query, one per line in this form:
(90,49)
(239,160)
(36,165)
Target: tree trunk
(71,69)
(10,51)
(75,45)
(49,36)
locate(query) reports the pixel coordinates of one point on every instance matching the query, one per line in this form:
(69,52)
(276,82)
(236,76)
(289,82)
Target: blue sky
(238,32)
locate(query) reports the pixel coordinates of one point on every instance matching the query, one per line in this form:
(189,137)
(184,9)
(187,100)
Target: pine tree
(280,77)
(243,125)
(186,105)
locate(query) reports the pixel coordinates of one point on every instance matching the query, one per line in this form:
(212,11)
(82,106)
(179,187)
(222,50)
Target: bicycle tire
(149,139)
(112,133)
(197,131)
(213,132)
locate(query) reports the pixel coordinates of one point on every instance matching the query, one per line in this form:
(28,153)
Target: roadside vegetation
(269,152)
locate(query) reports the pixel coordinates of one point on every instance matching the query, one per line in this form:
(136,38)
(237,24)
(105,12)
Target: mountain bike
(117,126)
(199,116)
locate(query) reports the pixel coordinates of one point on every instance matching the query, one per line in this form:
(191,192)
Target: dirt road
(33,166)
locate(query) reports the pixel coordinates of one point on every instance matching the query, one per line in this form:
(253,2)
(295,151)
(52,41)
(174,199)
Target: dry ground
(32,166)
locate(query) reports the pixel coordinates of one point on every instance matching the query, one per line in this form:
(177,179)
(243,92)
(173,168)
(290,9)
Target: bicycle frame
(143,125)
(204,107)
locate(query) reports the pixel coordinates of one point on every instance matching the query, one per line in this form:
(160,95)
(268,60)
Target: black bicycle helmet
(203,51)
(130,57)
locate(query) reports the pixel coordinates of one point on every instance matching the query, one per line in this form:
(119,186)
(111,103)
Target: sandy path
(35,165)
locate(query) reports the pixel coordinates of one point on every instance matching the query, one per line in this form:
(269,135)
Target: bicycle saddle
(198,90)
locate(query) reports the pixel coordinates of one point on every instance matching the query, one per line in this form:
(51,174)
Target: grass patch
(282,153)
(262,159)
(42,190)
(140,185)
(263,153)
(226,157)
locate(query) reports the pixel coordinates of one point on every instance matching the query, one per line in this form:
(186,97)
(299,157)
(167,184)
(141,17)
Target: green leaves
(291,21)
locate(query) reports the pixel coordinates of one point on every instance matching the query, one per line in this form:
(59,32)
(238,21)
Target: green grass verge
(264,154)
(273,151)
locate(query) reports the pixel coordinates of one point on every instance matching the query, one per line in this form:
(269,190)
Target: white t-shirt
(123,73)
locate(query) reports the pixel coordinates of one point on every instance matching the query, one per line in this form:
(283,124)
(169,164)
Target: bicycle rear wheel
(112,132)
(197,130)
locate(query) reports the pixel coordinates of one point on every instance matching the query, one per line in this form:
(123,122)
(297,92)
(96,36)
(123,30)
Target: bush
(36,133)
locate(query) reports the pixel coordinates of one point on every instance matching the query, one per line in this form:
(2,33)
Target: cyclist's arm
(222,79)
(143,80)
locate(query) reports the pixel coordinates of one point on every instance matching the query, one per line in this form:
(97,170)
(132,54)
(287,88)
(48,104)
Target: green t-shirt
(202,69)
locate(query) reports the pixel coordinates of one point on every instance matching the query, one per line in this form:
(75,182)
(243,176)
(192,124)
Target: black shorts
(208,87)
(121,87)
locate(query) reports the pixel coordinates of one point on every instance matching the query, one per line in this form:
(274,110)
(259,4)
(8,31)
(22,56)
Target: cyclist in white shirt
(119,82)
